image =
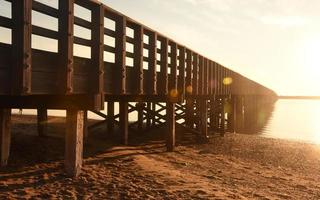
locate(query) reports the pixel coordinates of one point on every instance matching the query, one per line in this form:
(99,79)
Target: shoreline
(236,166)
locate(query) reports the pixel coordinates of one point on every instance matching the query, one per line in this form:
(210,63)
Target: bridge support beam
(5,135)
(42,121)
(74,142)
(171,122)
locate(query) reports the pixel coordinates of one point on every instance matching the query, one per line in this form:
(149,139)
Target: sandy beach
(231,167)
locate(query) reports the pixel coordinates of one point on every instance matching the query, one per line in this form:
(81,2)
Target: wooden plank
(74,142)
(84,23)
(65,45)
(97,35)
(21,51)
(171,130)
(138,60)
(42,8)
(37,30)
(181,68)
(153,62)
(124,122)
(120,56)
(195,74)
(163,75)
(42,121)
(5,22)
(5,135)
(188,84)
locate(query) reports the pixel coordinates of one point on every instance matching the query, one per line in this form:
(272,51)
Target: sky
(273,42)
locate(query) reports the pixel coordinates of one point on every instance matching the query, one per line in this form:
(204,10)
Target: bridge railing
(121,57)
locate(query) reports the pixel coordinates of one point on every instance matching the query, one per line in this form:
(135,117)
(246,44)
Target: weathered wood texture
(74,142)
(5,135)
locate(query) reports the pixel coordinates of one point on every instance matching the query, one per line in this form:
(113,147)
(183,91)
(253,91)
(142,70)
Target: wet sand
(231,167)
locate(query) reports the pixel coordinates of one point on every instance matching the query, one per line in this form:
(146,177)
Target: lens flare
(189,89)
(174,93)
(227,81)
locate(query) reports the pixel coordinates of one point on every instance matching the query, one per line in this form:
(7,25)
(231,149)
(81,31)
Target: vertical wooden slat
(219,82)
(182,68)
(195,72)
(153,62)
(120,56)
(42,121)
(163,87)
(170,116)
(74,142)
(188,84)
(201,76)
(138,58)
(5,136)
(21,43)
(205,76)
(97,35)
(124,122)
(65,45)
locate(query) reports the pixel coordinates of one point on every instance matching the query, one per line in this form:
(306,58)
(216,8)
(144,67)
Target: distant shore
(232,167)
(299,97)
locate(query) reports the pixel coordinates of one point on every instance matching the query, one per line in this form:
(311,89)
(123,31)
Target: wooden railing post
(153,62)
(97,34)
(21,47)
(65,45)
(195,72)
(5,136)
(163,87)
(181,68)
(138,58)
(120,55)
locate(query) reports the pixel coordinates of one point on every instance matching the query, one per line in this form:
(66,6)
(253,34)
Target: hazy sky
(275,42)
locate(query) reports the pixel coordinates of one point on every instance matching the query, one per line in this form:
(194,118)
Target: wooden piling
(170,115)
(139,107)
(5,135)
(124,122)
(74,142)
(42,121)
(204,119)
(110,113)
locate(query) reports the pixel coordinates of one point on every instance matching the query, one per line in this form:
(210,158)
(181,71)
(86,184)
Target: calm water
(290,119)
(295,120)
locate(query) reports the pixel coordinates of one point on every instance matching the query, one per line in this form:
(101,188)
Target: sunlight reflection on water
(295,120)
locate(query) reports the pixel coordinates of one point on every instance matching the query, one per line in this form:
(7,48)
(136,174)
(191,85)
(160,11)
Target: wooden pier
(196,93)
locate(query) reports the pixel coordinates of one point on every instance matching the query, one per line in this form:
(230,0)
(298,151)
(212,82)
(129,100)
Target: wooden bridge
(145,71)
